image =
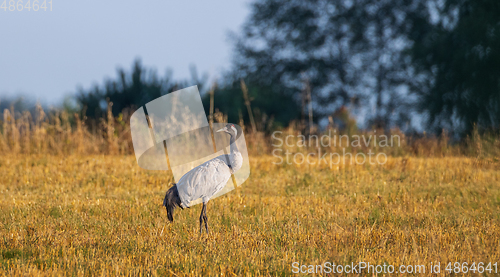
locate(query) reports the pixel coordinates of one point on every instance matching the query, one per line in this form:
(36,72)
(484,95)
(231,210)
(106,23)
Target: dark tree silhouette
(352,53)
(130,90)
(458,54)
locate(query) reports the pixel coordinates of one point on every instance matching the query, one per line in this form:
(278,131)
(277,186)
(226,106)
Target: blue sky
(46,54)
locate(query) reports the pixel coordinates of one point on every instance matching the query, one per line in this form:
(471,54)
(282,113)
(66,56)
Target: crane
(205,180)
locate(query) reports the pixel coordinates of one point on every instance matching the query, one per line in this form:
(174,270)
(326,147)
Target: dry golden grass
(59,133)
(103,215)
(66,210)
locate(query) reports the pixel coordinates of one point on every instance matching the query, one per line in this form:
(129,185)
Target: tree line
(408,64)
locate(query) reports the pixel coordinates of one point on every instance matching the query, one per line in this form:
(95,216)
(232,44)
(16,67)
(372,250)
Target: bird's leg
(205,217)
(201,216)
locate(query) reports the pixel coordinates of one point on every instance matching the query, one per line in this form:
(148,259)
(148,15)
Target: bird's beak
(222,130)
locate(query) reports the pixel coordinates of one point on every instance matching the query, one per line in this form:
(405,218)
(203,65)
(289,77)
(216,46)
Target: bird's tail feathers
(171,201)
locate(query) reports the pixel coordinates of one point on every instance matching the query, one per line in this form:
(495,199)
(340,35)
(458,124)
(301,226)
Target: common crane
(205,180)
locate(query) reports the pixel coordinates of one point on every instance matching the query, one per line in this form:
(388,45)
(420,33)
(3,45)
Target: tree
(350,52)
(456,47)
(267,106)
(386,71)
(130,90)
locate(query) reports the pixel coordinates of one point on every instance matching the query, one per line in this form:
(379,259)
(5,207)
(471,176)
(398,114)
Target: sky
(45,55)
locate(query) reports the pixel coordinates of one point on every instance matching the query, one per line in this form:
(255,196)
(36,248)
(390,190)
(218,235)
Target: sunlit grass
(93,215)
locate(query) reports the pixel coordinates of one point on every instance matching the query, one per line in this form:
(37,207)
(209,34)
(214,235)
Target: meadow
(65,209)
(103,215)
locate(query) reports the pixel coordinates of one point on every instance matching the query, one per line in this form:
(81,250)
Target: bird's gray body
(205,180)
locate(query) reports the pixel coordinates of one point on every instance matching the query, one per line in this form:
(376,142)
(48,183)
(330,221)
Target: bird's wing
(204,180)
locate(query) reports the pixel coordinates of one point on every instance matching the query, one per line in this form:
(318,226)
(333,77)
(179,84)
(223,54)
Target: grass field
(103,215)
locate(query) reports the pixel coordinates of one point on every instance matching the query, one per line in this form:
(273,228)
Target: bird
(205,180)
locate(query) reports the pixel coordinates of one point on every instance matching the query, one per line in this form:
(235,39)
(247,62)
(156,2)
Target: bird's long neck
(235,158)
(232,145)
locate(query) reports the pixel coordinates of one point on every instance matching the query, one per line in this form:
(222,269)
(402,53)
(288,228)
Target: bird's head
(230,129)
